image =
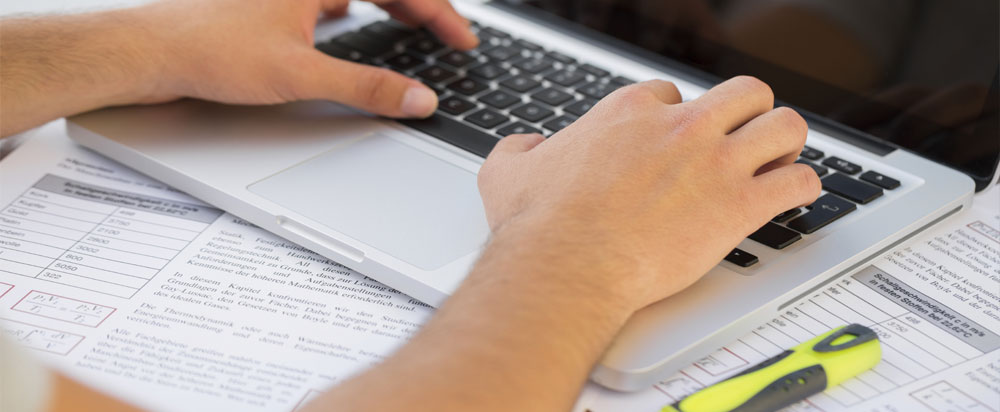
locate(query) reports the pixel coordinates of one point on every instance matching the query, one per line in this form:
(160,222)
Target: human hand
(261,52)
(652,191)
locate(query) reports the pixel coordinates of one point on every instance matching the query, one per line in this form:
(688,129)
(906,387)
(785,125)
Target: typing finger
(665,91)
(734,102)
(376,90)
(438,16)
(770,140)
(784,188)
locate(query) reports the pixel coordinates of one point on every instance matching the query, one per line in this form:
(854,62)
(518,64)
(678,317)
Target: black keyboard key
(528,45)
(425,46)
(486,119)
(455,132)
(559,57)
(622,81)
(457,59)
(488,71)
(879,180)
(436,74)
(598,90)
(467,86)
(820,170)
(532,112)
(822,212)
(487,41)
(517,128)
(851,189)
(580,107)
(534,64)
(404,61)
(341,52)
(788,214)
(368,45)
(559,123)
(811,154)
(566,77)
(388,31)
(552,97)
(455,105)
(594,70)
(841,165)
(495,32)
(502,53)
(775,236)
(500,99)
(520,84)
(741,258)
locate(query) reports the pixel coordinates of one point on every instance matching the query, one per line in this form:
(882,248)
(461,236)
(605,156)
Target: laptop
(901,99)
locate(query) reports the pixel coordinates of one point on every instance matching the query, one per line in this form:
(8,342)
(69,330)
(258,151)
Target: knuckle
(754,85)
(669,87)
(630,95)
(792,120)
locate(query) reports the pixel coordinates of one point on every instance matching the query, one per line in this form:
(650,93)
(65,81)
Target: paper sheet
(935,303)
(155,297)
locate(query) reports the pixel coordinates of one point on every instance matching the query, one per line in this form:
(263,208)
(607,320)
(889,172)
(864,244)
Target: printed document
(155,297)
(934,302)
(169,303)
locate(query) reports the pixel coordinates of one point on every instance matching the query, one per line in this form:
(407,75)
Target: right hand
(652,191)
(262,52)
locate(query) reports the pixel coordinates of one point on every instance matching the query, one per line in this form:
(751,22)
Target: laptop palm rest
(388,195)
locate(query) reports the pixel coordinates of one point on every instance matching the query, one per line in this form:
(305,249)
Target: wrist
(149,53)
(552,251)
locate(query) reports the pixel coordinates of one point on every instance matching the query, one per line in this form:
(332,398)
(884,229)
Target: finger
(770,140)
(785,188)
(373,89)
(334,8)
(638,96)
(336,12)
(516,143)
(665,91)
(436,15)
(734,102)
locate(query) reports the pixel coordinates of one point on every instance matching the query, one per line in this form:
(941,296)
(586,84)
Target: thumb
(506,149)
(515,144)
(376,90)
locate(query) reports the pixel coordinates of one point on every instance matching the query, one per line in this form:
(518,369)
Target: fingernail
(418,101)
(473,40)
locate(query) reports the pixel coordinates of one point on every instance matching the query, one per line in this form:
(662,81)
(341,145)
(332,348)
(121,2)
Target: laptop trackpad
(389,195)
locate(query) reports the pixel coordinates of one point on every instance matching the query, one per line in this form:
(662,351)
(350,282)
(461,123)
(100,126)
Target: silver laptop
(903,131)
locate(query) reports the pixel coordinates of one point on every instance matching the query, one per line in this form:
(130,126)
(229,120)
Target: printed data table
(95,238)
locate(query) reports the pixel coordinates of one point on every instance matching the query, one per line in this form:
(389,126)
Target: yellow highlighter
(795,374)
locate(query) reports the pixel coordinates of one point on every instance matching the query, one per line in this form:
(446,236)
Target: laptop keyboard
(844,193)
(505,86)
(511,86)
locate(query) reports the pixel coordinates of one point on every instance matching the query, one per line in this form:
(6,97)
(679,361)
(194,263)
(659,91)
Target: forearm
(522,333)
(58,66)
